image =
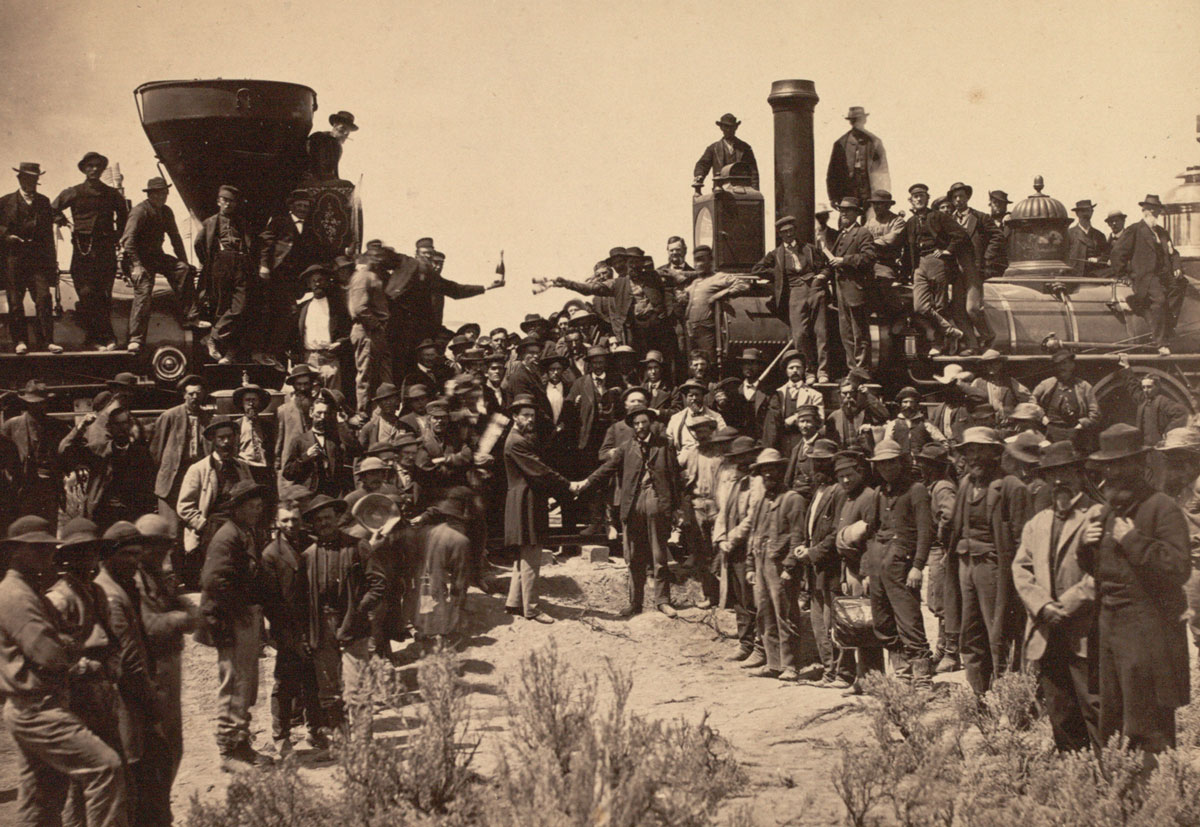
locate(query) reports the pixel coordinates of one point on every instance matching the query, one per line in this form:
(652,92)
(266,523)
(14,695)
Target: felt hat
(34,391)
(314,270)
(497,357)
(344,118)
(616,253)
(768,456)
(580,314)
(856,112)
(321,501)
(1114,214)
(804,411)
(228,191)
(652,356)
(30,168)
(882,197)
(1028,412)
(849,204)
(1058,454)
(959,185)
(999,195)
(123,381)
(532,320)
(218,422)
(472,355)
(547,361)
(438,407)
(728,120)
(795,358)
(29,530)
(1083,205)
(92,157)
(80,534)
(751,354)
(1151,201)
(823,449)
(1024,447)
(625,394)
(729,384)
(1186,438)
(299,371)
(245,490)
(426,344)
(371,464)
(742,446)
(726,434)
(702,250)
(694,421)
(635,252)
(953,373)
(691,384)
(119,535)
(907,393)
(980,435)
(1119,441)
(635,410)
(848,459)
(530,341)
(387,390)
(298,195)
(624,350)
(156,184)
(597,352)
(887,449)
(933,452)
(154,529)
(469,327)
(239,395)
(520,401)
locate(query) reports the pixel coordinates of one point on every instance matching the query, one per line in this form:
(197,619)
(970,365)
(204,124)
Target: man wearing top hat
(1136,548)
(53,744)
(858,164)
(35,437)
(729,150)
(141,246)
(1060,600)
(799,286)
(223,251)
(325,148)
(98,215)
(1089,247)
(1145,257)
(933,249)
(30,260)
(651,497)
(231,601)
(852,262)
(887,230)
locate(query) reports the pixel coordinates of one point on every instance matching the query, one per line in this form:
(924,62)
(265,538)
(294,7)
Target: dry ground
(784,735)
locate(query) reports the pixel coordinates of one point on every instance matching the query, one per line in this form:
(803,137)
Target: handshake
(579,486)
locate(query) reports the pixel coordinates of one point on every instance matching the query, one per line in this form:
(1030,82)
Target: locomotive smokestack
(792,102)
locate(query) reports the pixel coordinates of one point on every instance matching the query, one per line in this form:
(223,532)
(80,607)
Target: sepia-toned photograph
(689,414)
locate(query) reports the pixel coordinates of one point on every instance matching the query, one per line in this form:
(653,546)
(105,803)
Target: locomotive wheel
(1120,406)
(169,364)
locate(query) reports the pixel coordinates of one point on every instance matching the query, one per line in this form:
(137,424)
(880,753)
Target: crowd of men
(353,509)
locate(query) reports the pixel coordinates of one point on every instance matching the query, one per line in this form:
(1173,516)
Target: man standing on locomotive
(799,294)
(1145,256)
(223,249)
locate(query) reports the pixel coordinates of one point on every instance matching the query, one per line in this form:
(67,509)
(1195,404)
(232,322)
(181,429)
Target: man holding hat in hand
(37,661)
(30,262)
(1060,600)
(1136,548)
(1145,257)
(98,215)
(141,246)
(799,286)
(729,150)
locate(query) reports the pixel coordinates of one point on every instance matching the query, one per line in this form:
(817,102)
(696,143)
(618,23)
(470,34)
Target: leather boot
(922,672)
(902,667)
(949,663)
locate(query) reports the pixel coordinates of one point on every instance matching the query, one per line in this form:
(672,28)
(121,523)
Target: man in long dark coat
(30,264)
(729,150)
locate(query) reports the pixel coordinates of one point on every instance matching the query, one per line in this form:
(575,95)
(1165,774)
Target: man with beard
(294,693)
(987,514)
(1145,257)
(933,244)
(676,274)
(818,548)
(120,471)
(29,260)
(36,663)
(910,428)
(850,425)
(294,416)
(149,223)
(1136,548)
(98,214)
(178,443)
(231,601)
(35,437)
(650,499)
(933,466)
(494,396)
(256,433)
(319,459)
(385,425)
(1180,450)
(781,426)
(446,451)
(1069,402)
(526,510)
(203,503)
(750,364)
(223,248)
(798,291)
(367,307)
(852,263)
(1089,248)
(734,485)
(322,326)
(850,468)
(287,246)
(858,163)
(139,714)
(525,378)
(1061,601)
(887,230)
(901,535)
(799,470)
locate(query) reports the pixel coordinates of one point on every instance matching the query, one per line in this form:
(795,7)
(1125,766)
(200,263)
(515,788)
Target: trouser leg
(522,589)
(704,337)
(54,748)
(783,614)
(820,616)
(285,692)
(975,309)
(366,368)
(139,313)
(976,581)
(854,323)
(237,675)
(356,657)
(284,316)
(767,618)
(327,666)
(1073,711)
(952,605)
(168,674)
(14,288)
(882,616)
(906,609)
(42,277)
(93,273)
(1175,292)
(1192,591)
(744,606)
(637,558)
(800,319)
(1127,679)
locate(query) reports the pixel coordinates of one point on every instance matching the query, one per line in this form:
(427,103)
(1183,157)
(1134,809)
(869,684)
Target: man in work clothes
(223,248)
(799,294)
(30,260)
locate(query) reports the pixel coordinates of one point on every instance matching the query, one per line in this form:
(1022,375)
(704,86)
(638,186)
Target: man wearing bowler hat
(141,247)
(223,247)
(325,148)
(1060,600)
(858,164)
(1136,548)
(1145,257)
(1089,247)
(30,260)
(98,214)
(729,150)
(852,262)
(231,601)
(1116,225)
(799,288)
(54,746)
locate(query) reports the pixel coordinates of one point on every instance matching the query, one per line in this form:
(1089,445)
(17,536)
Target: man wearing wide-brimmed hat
(1136,546)
(54,746)
(98,215)
(1072,410)
(256,433)
(887,229)
(651,496)
(1145,257)
(35,436)
(983,537)
(735,487)
(30,262)
(1180,449)
(858,163)
(1089,247)
(1060,600)
(729,150)
(231,607)
(141,246)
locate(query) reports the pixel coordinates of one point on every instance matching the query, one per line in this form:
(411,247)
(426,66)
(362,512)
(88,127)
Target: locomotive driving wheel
(1118,402)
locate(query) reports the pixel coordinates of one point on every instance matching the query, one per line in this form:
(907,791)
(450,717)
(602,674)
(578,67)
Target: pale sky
(556,131)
